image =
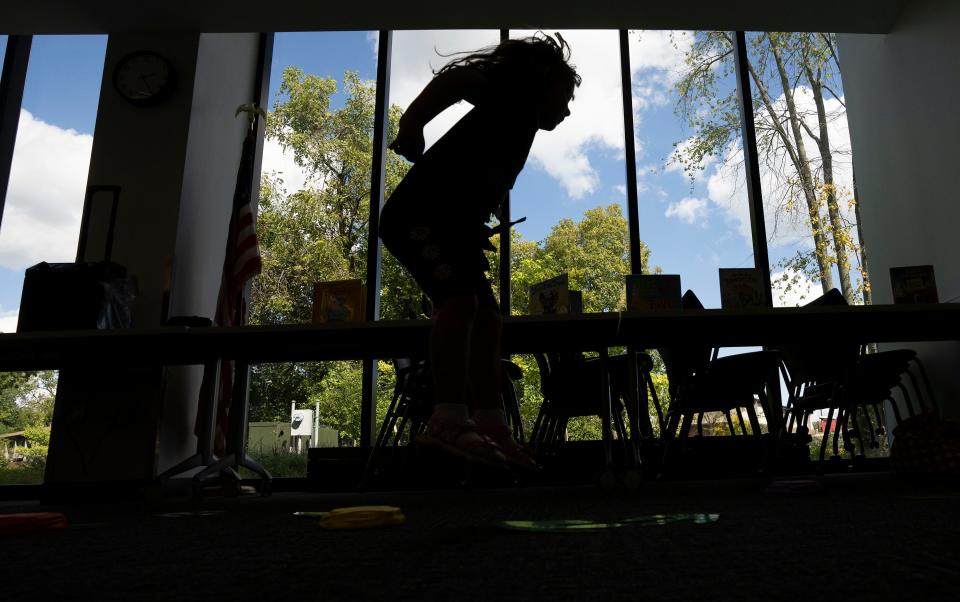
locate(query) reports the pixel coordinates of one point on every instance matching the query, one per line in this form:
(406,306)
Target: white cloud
(791,288)
(48,176)
(596,114)
(373,38)
(726,182)
(8,320)
(688,210)
(656,62)
(280,162)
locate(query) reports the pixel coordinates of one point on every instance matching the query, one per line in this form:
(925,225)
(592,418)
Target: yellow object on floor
(362,517)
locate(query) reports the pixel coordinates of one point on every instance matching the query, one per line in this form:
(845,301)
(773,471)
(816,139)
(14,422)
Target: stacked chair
(701,382)
(412,404)
(850,385)
(572,386)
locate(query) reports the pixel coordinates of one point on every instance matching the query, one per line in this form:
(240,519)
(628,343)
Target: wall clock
(144,78)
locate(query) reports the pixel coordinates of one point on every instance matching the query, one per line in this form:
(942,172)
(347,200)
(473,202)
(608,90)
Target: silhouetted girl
(434,223)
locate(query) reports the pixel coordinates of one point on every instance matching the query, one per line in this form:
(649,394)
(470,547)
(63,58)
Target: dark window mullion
(368,414)
(633,210)
(11,97)
(751,163)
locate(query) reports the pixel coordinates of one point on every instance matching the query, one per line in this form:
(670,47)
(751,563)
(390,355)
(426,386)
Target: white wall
(224,80)
(141,149)
(901,91)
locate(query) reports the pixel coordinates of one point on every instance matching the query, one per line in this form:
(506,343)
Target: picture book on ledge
(653,292)
(741,287)
(339,301)
(550,296)
(913,284)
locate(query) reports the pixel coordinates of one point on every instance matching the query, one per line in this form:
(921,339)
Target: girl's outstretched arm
(447,88)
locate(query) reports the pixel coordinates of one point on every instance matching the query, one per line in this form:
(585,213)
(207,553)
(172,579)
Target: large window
(806,168)
(572,190)
(313,228)
(41,219)
(415,57)
(692,196)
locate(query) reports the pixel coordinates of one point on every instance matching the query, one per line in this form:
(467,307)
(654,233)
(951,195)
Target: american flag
(241,262)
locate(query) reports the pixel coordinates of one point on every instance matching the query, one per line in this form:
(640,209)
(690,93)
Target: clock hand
(147,83)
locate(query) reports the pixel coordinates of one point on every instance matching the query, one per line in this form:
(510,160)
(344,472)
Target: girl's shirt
(462,179)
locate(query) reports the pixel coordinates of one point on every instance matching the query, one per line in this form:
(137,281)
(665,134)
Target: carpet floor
(858,537)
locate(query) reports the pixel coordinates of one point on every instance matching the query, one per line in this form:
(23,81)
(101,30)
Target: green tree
(26,399)
(793,138)
(319,233)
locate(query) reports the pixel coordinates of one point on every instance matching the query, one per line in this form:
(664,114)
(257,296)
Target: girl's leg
(484,378)
(449,344)
(450,426)
(483,372)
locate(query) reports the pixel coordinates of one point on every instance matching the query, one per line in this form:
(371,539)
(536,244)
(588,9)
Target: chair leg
(837,432)
(536,433)
(757,435)
(826,436)
(858,433)
(906,399)
(667,436)
(656,401)
(896,410)
(743,425)
(685,425)
(754,420)
(700,424)
(733,431)
(881,428)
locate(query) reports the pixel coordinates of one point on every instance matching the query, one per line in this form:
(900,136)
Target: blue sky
(690,228)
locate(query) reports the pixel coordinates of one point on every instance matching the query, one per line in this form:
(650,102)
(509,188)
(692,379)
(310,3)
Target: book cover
(913,284)
(653,292)
(741,287)
(550,296)
(339,301)
(575,302)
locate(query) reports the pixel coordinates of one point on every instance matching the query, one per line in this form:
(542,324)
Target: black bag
(81,295)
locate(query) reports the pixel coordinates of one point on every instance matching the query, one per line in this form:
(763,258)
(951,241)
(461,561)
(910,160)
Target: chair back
(823,362)
(682,363)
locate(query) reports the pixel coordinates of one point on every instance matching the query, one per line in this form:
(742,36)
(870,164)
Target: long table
(521,334)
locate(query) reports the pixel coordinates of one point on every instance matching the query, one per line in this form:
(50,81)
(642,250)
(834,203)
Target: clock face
(143,78)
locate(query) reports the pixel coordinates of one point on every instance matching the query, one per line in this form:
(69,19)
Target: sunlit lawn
(19,474)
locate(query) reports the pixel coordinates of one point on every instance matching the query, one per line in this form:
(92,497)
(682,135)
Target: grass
(280,465)
(21,474)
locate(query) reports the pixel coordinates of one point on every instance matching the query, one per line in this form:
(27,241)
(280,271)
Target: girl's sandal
(517,455)
(464,441)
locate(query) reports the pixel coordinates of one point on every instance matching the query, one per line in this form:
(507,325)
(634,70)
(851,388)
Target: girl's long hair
(538,57)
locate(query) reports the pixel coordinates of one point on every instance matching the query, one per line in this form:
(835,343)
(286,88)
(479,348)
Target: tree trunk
(802,165)
(823,142)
